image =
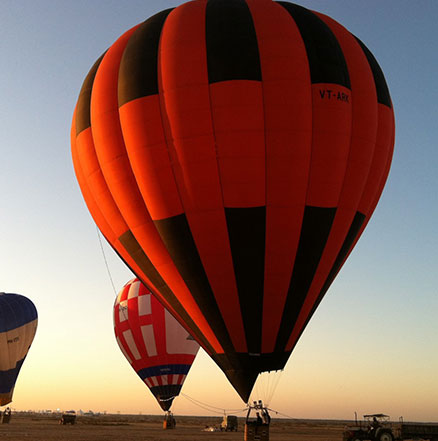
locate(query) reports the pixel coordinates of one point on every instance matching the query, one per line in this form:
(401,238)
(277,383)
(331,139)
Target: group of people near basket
(263,416)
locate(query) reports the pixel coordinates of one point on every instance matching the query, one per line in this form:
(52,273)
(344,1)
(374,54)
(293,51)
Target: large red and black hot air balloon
(232,152)
(156,346)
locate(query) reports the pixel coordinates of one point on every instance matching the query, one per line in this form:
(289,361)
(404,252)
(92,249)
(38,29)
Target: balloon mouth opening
(165,403)
(242,369)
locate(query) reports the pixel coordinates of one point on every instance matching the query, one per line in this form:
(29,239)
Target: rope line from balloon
(225,411)
(105,260)
(211,408)
(282,414)
(266,385)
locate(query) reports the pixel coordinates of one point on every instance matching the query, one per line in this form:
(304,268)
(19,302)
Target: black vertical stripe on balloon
(231,42)
(132,247)
(383,96)
(326,61)
(177,237)
(138,73)
(353,231)
(246,232)
(83,115)
(315,230)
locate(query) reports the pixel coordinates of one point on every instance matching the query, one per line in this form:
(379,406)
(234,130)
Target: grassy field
(36,427)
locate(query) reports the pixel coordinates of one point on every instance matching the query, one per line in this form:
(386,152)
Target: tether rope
(266,385)
(220,410)
(211,408)
(282,414)
(105,260)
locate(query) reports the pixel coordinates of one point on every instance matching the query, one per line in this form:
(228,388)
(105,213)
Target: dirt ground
(36,427)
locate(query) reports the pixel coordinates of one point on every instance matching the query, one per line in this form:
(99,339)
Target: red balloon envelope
(232,152)
(155,344)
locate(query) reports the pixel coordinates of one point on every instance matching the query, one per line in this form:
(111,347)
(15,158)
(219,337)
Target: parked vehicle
(418,430)
(377,427)
(229,423)
(68,417)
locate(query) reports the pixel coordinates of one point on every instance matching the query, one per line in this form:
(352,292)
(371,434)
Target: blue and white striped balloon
(18,323)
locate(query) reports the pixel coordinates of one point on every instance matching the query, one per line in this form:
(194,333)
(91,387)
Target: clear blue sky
(371,346)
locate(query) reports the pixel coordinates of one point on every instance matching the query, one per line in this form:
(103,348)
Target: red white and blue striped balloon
(158,348)
(18,324)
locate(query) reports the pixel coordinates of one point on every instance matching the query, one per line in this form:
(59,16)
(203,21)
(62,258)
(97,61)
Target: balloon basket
(257,429)
(256,432)
(5,416)
(169,421)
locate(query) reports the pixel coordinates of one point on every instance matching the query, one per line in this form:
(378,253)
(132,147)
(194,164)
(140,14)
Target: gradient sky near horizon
(372,344)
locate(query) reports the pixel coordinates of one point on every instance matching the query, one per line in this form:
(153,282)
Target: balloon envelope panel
(18,323)
(232,153)
(158,348)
